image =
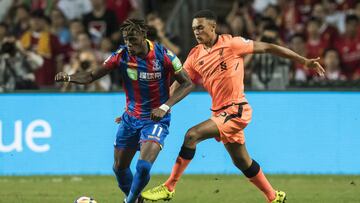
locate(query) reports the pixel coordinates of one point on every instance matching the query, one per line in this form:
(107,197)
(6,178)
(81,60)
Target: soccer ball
(85,200)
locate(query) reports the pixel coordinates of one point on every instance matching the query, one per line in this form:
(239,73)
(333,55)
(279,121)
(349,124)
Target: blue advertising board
(291,133)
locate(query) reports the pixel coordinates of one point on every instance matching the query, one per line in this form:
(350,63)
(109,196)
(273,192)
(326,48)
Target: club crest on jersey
(156,65)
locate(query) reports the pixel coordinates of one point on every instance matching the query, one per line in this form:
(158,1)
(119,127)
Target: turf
(191,189)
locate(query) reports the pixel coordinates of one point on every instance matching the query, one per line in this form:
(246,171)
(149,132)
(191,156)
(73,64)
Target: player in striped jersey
(147,70)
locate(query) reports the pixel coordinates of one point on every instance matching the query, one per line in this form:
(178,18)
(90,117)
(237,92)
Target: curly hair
(134,25)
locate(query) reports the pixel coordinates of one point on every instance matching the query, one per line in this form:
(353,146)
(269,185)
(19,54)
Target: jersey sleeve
(241,46)
(174,61)
(113,60)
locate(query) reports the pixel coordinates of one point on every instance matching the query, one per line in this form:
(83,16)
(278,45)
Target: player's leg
(232,135)
(196,134)
(250,169)
(148,153)
(125,147)
(121,168)
(152,139)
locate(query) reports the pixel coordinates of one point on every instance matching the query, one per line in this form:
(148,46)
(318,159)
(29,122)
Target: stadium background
(307,125)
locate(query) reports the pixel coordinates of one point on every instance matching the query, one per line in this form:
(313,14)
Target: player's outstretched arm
(262,47)
(181,87)
(83,77)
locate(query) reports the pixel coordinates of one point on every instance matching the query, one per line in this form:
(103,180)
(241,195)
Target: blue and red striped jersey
(146,81)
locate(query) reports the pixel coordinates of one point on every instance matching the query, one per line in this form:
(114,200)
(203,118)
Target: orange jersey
(221,68)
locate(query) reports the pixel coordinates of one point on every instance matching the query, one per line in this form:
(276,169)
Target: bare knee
(192,137)
(117,166)
(120,165)
(122,158)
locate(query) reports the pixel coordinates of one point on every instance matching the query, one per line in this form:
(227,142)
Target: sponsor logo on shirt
(132,73)
(145,76)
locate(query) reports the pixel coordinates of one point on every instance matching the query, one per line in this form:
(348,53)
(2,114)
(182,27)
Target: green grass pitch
(191,189)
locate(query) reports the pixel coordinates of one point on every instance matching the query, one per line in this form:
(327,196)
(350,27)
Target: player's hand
(315,65)
(157,114)
(62,77)
(118,120)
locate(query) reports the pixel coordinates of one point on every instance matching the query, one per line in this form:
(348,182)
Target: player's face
(135,42)
(203,29)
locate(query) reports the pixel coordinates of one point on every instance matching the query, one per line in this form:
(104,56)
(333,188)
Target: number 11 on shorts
(157,129)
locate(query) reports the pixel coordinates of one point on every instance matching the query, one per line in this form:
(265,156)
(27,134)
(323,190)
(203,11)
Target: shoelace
(158,189)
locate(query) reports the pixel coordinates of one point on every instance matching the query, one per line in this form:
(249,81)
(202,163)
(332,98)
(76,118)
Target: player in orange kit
(218,59)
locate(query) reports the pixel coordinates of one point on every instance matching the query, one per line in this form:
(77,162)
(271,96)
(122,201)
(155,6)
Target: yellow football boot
(280,197)
(160,192)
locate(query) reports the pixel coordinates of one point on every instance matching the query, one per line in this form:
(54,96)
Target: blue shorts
(133,131)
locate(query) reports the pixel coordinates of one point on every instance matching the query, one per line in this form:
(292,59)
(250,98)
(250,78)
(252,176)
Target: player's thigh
(239,154)
(149,151)
(152,138)
(123,157)
(232,121)
(155,132)
(203,131)
(127,135)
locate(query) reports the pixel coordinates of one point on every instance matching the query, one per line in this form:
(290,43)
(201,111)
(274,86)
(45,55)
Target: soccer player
(218,59)
(147,70)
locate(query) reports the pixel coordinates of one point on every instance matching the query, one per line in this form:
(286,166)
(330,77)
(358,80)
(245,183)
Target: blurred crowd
(328,29)
(41,37)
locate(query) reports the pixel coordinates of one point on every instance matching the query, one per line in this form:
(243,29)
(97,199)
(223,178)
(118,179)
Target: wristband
(164,107)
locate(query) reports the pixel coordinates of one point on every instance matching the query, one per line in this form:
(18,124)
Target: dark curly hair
(134,25)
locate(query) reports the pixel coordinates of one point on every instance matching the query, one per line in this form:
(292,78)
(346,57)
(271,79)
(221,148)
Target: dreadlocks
(134,25)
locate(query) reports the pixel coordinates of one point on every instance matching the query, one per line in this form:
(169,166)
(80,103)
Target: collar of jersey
(151,44)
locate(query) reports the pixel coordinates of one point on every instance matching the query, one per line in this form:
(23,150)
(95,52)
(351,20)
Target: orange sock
(263,184)
(176,172)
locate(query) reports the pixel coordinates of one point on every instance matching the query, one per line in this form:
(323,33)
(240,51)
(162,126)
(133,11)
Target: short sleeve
(113,60)
(175,61)
(241,46)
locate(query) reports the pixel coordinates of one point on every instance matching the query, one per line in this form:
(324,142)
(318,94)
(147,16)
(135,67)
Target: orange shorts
(231,122)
